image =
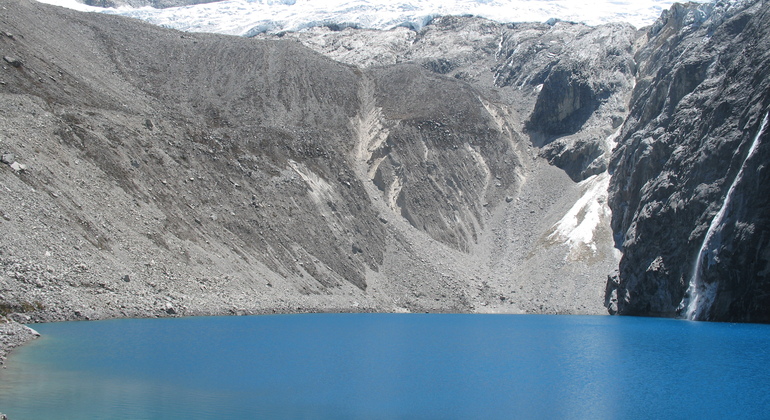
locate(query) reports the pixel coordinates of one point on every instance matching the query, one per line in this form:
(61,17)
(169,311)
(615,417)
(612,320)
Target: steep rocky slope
(462,167)
(689,178)
(564,84)
(561,89)
(151,155)
(167,173)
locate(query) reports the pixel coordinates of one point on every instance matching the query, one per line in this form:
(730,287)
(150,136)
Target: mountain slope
(461,167)
(196,160)
(170,173)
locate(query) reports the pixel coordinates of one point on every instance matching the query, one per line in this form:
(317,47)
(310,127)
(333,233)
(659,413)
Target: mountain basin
(390,366)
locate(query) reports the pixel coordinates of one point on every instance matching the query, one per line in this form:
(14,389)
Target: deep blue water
(387,366)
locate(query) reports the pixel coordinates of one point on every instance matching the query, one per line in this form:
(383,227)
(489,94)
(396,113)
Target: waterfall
(701,296)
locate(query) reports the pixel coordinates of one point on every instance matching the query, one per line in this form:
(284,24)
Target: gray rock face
(564,104)
(582,77)
(566,84)
(683,179)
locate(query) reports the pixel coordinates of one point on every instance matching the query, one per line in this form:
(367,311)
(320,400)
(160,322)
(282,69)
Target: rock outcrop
(566,85)
(13,334)
(689,197)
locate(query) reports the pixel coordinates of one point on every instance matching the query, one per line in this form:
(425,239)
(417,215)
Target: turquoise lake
(390,366)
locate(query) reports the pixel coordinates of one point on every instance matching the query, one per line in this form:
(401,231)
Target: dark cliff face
(683,161)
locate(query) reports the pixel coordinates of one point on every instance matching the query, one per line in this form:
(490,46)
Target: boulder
(18,167)
(13,61)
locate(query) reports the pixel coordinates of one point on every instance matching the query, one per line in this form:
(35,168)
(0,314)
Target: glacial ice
(240,17)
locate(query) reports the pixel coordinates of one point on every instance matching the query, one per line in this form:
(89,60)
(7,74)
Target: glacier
(248,17)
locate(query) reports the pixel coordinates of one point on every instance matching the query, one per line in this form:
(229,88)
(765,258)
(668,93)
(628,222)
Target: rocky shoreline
(12,335)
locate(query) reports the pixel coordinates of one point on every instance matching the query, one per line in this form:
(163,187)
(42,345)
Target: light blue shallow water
(386,366)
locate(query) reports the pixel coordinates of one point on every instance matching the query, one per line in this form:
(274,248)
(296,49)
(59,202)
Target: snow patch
(318,189)
(578,227)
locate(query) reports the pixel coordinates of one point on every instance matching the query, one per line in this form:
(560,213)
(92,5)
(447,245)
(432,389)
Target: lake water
(390,366)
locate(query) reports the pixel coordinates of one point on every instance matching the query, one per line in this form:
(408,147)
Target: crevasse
(701,295)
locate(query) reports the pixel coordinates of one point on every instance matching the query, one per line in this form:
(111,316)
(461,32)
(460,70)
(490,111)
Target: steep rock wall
(702,93)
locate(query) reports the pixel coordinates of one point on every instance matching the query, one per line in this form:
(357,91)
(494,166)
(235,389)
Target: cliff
(688,190)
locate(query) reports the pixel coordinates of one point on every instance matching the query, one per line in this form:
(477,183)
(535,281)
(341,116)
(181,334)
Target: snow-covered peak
(242,17)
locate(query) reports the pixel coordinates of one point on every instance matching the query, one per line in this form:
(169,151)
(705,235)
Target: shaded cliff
(685,181)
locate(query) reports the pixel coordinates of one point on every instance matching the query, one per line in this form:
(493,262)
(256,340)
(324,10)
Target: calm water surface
(387,366)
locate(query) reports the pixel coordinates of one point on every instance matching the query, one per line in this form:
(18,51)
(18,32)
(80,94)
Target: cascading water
(701,295)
